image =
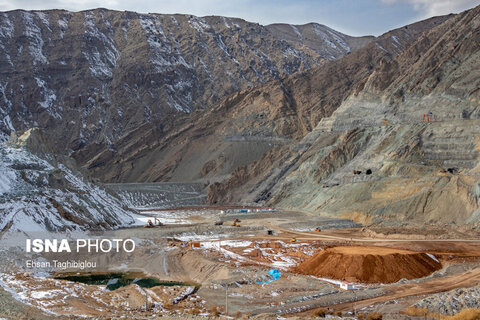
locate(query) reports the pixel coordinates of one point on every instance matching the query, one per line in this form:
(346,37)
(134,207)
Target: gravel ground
(13,309)
(451,302)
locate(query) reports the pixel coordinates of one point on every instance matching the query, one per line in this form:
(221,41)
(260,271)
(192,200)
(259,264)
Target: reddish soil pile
(368,264)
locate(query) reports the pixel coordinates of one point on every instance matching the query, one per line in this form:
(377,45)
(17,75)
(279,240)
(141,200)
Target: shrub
(319,313)
(374,316)
(214,311)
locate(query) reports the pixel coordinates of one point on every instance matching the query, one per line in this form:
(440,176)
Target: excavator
(150,224)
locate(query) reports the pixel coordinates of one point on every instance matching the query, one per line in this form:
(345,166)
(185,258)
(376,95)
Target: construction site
(256,172)
(259,263)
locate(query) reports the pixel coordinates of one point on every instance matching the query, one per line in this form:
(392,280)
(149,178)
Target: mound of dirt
(369,264)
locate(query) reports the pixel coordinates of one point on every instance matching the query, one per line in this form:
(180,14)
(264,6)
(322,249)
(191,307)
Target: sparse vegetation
(319,313)
(374,316)
(466,314)
(215,311)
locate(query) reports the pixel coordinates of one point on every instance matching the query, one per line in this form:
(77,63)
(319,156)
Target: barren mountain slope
(420,172)
(89,77)
(40,192)
(241,128)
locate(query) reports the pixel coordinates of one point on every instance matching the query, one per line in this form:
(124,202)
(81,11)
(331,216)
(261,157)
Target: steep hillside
(418,171)
(333,43)
(241,128)
(39,192)
(90,77)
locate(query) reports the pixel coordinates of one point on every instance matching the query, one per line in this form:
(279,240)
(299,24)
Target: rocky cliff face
(88,78)
(41,192)
(241,128)
(418,172)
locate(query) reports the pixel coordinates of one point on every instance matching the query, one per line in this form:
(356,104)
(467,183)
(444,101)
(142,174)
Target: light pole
(226,300)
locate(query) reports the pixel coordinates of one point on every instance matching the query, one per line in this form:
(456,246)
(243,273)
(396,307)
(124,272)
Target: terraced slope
(421,172)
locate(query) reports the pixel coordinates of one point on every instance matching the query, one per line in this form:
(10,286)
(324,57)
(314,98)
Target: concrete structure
(346,286)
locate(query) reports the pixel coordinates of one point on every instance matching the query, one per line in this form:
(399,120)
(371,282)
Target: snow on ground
(64,298)
(165,217)
(34,35)
(332,281)
(30,201)
(6,26)
(276,258)
(102,58)
(433,257)
(190,236)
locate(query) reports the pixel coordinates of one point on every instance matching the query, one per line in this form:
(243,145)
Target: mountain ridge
(280,110)
(89,77)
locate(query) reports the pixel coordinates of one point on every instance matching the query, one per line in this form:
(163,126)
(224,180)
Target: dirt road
(302,235)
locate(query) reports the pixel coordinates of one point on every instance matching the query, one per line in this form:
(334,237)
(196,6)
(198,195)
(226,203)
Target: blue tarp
(274,274)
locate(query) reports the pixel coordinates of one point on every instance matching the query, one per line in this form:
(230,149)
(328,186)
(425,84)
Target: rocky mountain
(42,192)
(402,148)
(88,78)
(243,127)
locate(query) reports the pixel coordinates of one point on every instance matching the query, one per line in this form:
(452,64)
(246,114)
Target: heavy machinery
(219,223)
(150,224)
(293,240)
(317,229)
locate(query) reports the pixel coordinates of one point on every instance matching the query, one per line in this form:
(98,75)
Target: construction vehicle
(149,224)
(235,224)
(317,229)
(293,240)
(219,223)
(237,220)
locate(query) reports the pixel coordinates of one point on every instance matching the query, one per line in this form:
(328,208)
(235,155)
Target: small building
(346,286)
(195,244)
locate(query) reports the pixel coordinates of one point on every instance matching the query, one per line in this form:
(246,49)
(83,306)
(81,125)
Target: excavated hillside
(87,78)
(243,127)
(40,191)
(401,149)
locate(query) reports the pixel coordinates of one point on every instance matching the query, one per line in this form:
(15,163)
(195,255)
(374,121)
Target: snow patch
(49,98)
(63,24)
(34,34)
(100,64)
(6,26)
(433,257)
(43,18)
(29,201)
(297,32)
(198,24)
